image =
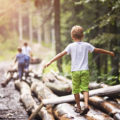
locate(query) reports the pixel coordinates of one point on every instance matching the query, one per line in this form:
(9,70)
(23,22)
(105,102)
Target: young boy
(80,72)
(20,58)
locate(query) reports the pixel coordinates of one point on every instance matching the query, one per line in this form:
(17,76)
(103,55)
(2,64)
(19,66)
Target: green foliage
(101,22)
(108,79)
(8,47)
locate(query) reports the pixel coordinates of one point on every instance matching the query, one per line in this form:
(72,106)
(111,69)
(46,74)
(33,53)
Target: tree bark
(58,87)
(92,85)
(20,26)
(57,32)
(66,111)
(8,76)
(99,92)
(106,106)
(29,102)
(41,90)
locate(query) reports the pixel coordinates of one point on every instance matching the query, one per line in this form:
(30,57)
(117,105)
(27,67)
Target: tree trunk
(43,92)
(58,87)
(47,32)
(66,111)
(57,32)
(20,26)
(39,30)
(99,92)
(115,60)
(26,96)
(30,27)
(92,85)
(8,76)
(106,106)
(30,103)
(95,114)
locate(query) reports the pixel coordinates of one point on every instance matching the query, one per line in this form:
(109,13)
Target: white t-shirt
(79,55)
(26,50)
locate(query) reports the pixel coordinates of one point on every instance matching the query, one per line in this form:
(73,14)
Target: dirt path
(10,106)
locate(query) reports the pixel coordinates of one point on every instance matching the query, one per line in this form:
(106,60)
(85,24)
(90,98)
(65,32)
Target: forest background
(47,24)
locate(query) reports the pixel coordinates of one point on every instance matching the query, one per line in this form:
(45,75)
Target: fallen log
(99,92)
(106,106)
(66,111)
(94,114)
(95,85)
(41,90)
(58,87)
(38,70)
(61,78)
(30,103)
(35,61)
(70,98)
(26,96)
(92,85)
(9,76)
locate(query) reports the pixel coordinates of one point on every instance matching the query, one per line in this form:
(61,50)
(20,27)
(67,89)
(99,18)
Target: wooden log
(61,78)
(106,106)
(70,98)
(9,76)
(92,85)
(58,87)
(41,90)
(99,92)
(35,61)
(95,114)
(66,111)
(26,96)
(38,70)
(95,85)
(30,103)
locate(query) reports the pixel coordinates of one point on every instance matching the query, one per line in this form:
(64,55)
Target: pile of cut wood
(54,99)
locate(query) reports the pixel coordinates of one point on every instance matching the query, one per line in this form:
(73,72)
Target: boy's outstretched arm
(98,50)
(58,56)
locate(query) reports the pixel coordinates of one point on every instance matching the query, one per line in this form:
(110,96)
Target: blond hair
(77,32)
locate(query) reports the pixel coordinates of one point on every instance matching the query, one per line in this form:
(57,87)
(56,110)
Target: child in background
(20,58)
(78,51)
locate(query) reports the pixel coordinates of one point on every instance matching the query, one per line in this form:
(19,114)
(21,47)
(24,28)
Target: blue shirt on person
(20,58)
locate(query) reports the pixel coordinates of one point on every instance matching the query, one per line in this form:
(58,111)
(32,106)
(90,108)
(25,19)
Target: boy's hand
(47,64)
(112,54)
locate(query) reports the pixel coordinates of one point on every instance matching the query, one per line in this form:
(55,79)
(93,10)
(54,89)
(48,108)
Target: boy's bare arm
(58,56)
(98,50)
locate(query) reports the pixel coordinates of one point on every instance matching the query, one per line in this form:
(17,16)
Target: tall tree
(57,32)
(20,25)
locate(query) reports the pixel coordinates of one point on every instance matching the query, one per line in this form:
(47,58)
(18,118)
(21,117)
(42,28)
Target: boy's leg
(84,88)
(86,97)
(76,88)
(20,71)
(77,99)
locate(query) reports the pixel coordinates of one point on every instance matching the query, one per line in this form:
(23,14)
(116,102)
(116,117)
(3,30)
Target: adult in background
(26,50)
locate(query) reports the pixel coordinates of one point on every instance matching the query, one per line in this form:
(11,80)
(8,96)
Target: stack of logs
(54,91)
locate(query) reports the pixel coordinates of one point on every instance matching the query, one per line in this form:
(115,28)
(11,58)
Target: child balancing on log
(20,58)
(78,51)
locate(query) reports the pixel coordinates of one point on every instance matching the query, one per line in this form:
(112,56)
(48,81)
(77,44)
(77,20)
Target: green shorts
(80,81)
